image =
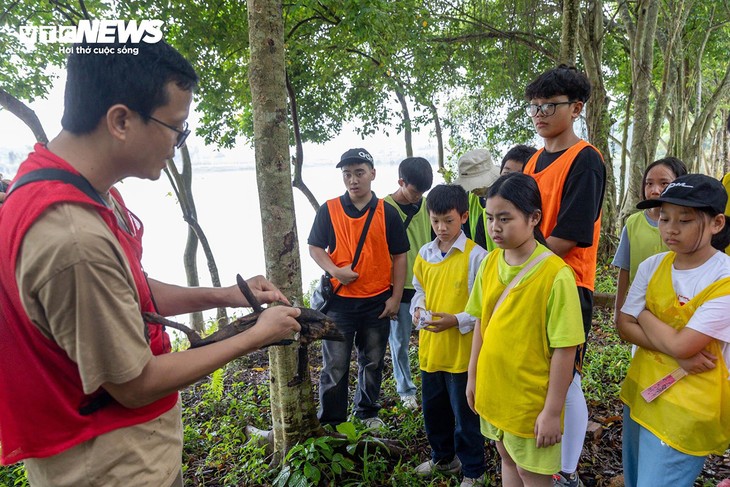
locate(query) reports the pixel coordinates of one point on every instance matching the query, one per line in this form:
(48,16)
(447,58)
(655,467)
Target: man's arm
(177,300)
(560,246)
(399,278)
(170,372)
(343,274)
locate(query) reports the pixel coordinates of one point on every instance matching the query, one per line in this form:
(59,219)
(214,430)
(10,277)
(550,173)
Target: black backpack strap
(52,174)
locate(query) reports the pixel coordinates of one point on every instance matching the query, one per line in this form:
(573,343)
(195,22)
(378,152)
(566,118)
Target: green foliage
(13,476)
(214,438)
(605,366)
(606,278)
(312,462)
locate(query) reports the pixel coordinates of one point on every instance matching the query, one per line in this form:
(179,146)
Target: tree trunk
(299,157)
(292,408)
(25,114)
(182,186)
(598,120)
(569,33)
(439,136)
(642,63)
(407,129)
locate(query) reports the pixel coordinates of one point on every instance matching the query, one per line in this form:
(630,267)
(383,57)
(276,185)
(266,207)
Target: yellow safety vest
(692,416)
(446,285)
(513,368)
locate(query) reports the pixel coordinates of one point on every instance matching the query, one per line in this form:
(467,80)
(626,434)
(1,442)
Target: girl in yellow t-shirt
(676,312)
(524,345)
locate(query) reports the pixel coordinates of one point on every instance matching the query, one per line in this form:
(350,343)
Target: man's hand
(274,324)
(547,429)
(702,362)
(391,309)
(445,321)
(345,274)
(264,291)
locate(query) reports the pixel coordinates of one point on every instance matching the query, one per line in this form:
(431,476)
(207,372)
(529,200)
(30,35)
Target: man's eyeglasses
(181,134)
(547,109)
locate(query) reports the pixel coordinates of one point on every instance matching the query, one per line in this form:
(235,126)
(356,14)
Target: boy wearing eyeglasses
(572,180)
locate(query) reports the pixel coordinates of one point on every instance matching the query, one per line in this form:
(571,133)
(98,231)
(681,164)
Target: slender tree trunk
(407,129)
(569,33)
(292,408)
(642,63)
(598,120)
(25,114)
(625,149)
(182,186)
(299,157)
(439,135)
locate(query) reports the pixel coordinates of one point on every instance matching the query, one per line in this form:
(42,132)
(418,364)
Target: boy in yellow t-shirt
(443,275)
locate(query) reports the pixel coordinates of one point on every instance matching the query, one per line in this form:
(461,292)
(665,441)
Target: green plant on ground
(13,476)
(312,462)
(605,278)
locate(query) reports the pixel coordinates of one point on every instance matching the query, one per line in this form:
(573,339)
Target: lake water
(228,211)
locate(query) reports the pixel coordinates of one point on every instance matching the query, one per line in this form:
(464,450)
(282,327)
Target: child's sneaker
(374,423)
(563,479)
(427,469)
(409,402)
(470,482)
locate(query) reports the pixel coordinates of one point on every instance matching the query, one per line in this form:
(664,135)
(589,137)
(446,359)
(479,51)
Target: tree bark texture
(569,32)
(292,408)
(599,123)
(642,63)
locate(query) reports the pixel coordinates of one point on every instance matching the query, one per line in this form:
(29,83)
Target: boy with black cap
(367,299)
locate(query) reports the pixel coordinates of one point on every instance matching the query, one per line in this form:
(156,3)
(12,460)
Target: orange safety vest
(375,264)
(551,182)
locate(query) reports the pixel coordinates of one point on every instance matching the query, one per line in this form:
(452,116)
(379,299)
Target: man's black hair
(97,81)
(446,197)
(416,171)
(563,80)
(520,153)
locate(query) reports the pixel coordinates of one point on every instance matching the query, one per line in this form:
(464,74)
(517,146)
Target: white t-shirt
(712,318)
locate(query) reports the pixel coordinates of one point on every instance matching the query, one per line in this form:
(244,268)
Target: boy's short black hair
(416,171)
(563,80)
(137,79)
(446,197)
(520,153)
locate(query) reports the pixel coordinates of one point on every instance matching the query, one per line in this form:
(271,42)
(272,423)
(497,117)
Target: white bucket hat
(476,170)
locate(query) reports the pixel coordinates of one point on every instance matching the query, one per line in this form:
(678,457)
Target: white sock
(575,425)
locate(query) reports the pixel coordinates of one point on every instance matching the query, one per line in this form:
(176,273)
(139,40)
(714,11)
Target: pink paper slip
(656,389)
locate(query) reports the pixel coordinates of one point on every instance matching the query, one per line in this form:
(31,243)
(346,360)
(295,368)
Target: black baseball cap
(355,156)
(694,191)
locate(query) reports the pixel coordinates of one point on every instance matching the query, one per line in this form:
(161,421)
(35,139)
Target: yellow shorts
(524,452)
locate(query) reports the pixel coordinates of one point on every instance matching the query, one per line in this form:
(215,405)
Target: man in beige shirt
(70,307)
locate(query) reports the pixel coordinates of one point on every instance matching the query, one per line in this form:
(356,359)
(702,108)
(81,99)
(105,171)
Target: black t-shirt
(582,198)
